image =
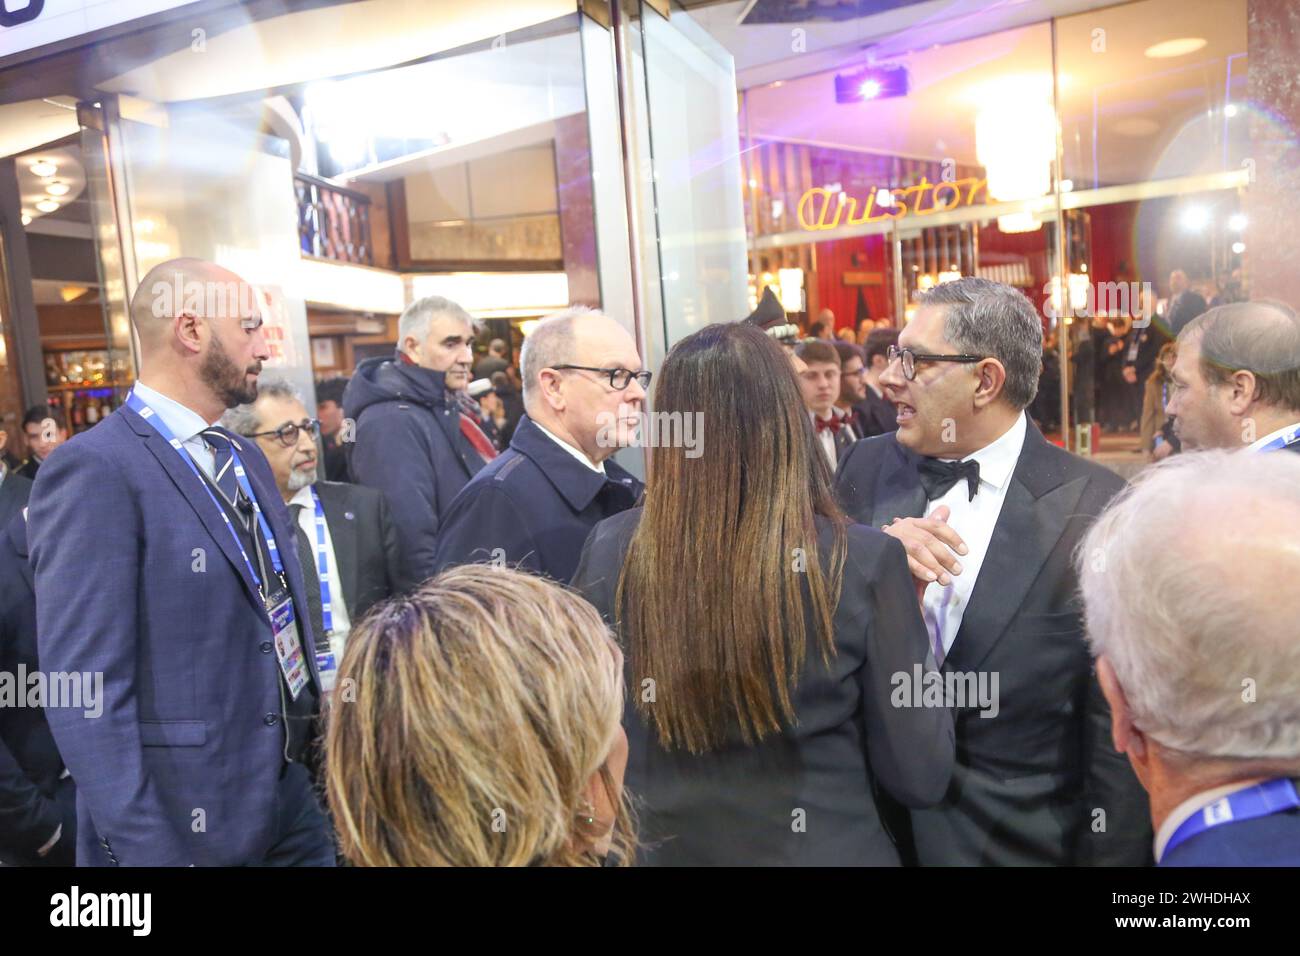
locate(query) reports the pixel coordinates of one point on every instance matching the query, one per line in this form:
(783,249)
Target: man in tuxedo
(1219,755)
(876,412)
(989,513)
(819,381)
(38,808)
(535,505)
(414,442)
(196,616)
(1236,381)
(349,557)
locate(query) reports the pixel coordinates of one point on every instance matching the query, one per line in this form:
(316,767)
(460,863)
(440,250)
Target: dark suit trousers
(303,836)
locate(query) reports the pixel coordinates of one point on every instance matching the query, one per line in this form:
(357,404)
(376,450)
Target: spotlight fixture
(1238,248)
(43,168)
(872,83)
(1237,222)
(1195,219)
(1230,110)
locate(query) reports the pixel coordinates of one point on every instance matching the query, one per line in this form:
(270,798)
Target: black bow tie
(939,476)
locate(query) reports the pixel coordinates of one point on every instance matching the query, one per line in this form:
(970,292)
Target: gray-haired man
(967,474)
(413,441)
(1236,383)
(346,542)
(1197,655)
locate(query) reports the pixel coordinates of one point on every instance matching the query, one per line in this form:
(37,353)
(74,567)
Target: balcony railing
(333,221)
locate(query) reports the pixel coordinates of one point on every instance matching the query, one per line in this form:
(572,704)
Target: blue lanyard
(138,406)
(1261,800)
(1288,437)
(322,565)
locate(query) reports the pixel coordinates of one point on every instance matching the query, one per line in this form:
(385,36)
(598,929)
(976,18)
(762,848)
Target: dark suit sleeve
(848,480)
(394,573)
(593,579)
(483,524)
(911,747)
(86,621)
(391,454)
(28,818)
(1123,835)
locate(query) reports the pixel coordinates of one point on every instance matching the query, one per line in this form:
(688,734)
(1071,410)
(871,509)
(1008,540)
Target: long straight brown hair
(711,598)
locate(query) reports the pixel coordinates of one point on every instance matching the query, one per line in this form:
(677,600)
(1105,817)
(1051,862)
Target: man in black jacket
(349,557)
(14,492)
(38,806)
(535,505)
(413,443)
(1037,781)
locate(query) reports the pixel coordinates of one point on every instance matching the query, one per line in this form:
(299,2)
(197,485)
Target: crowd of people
(874,618)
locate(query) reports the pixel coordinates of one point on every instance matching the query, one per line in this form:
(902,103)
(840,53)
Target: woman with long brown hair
(477,723)
(765,635)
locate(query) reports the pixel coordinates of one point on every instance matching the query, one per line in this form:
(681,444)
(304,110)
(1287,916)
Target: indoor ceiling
(1151,116)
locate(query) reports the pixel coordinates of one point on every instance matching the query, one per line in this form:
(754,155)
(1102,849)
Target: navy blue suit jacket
(532,507)
(1273,840)
(139,579)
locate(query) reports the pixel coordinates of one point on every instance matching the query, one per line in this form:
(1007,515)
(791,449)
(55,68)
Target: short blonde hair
(468,719)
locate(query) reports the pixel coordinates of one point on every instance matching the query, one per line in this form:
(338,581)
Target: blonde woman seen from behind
(478,723)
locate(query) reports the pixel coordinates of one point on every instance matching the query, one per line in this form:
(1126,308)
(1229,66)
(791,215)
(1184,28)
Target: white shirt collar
(576,453)
(183,422)
(1256,446)
(303,497)
(998,458)
(1189,807)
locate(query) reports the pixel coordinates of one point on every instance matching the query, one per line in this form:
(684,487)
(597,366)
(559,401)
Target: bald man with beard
(190,622)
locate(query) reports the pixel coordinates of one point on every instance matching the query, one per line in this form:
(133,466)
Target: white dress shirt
(576,453)
(184,423)
(944,606)
(1271,436)
(338,607)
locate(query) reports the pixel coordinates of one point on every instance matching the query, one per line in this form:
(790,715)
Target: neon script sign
(821,208)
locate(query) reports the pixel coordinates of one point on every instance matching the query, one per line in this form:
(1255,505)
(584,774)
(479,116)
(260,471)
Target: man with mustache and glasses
(990,513)
(347,545)
(198,620)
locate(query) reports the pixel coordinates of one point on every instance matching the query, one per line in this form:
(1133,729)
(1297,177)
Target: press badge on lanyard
(278,603)
(288,643)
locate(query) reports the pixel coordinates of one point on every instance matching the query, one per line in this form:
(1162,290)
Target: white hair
(549,344)
(418,316)
(1186,583)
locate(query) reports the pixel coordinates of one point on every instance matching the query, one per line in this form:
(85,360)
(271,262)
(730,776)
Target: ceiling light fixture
(1237,221)
(1171,48)
(44,168)
(1195,219)
(57,189)
(47,205)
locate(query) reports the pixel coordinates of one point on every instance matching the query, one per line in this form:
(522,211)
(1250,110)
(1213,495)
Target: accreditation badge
(288,646)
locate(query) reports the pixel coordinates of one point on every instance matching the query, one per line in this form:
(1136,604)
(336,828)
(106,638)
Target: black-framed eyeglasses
(287,434)
(910,359)
(619,378)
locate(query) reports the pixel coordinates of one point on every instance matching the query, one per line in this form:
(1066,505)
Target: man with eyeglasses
(346,542)
(534,506)
(990,514)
